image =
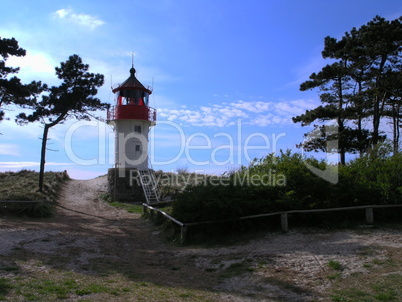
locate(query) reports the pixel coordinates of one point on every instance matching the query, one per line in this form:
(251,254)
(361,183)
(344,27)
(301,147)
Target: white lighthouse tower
(131,118)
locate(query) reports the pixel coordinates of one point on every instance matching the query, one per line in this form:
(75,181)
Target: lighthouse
(131,118)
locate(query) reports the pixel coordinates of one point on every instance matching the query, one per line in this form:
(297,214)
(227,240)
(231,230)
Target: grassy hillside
(22,186)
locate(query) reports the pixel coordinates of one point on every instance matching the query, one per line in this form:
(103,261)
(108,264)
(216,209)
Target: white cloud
(269,119)
(33,63)
(252,106)
(251,112)
(9,149)
(62,13)
(28,164)
(84,20)
(206,116)
(18,165)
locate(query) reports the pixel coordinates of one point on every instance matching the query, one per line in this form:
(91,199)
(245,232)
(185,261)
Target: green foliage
(375,178)
(282,183)
(268,185)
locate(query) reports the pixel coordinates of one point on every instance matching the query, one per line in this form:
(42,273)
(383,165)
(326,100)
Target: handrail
(164,214)
(152,174)
(322,210)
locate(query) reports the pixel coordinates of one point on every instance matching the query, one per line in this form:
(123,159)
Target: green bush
(268,185)
(281,183)
(372,179)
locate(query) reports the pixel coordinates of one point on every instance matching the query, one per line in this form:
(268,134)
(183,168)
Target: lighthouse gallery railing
(131,112)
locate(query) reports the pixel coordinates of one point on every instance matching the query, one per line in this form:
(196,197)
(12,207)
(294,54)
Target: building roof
(132,83)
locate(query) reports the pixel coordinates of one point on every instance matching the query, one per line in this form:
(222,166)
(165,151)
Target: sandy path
(86,230)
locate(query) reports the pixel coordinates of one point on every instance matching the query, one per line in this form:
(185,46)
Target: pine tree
(360,86)
(74,98)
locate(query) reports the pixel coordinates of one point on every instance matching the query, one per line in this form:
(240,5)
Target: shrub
(268,185)
(285,183)
(371,179)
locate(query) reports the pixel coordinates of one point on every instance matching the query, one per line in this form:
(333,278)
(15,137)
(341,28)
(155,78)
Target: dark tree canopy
(74,98)
(361,87)
(12,91)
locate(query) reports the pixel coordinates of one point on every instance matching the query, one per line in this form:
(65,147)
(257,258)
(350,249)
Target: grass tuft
(131,208)
(335,265)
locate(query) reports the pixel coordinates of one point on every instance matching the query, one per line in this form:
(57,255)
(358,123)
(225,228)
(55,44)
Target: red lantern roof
(132,83)
(132,101)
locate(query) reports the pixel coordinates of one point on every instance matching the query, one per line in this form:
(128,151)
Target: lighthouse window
(146,98)
(137,147)
(137,129)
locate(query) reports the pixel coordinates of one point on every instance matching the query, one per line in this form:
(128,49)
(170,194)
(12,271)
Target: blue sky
(225,74)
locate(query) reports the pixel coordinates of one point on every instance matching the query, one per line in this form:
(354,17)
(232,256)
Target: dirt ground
(277,267)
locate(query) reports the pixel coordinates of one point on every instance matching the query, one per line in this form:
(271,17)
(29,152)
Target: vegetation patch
(383,282)
(23,185)
(5,287)
(389,288)
(335,265)
(115,287)
(131,208)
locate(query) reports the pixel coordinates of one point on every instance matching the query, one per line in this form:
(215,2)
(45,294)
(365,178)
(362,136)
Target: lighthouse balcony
(131,112)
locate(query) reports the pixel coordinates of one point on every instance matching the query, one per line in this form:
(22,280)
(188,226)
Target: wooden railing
(284,216)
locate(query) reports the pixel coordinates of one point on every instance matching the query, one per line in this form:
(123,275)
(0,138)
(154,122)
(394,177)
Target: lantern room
(132,99)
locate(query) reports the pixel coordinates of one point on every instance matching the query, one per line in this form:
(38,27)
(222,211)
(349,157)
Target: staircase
(149,185)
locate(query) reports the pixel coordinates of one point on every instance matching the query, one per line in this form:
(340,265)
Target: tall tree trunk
(376,121)
(395,123)
(342,150)
(379,101)
(43,157)
(360,135)
(43,151)
(341,126)
(360,115)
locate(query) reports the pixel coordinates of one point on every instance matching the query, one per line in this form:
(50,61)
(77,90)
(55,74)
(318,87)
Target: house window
(137,147)
(137,129)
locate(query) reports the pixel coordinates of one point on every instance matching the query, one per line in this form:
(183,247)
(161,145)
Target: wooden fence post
(284,222)
(369,216)
(183,234)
